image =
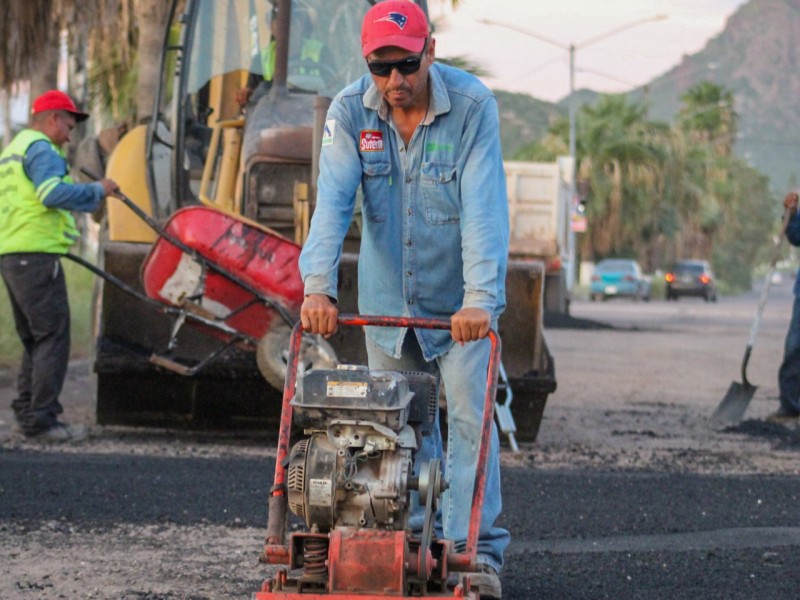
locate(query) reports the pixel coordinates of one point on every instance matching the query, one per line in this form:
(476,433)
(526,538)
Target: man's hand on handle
(243,96)
(109,186)
(319,315)
(470,324)
(790,202)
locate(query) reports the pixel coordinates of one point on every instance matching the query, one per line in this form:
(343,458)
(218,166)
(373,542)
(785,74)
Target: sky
(627,58)
(622,61)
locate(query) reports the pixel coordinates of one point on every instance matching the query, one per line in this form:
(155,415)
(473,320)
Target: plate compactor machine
(350,479)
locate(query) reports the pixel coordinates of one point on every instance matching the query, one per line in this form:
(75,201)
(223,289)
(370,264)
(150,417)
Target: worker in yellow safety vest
(36,227)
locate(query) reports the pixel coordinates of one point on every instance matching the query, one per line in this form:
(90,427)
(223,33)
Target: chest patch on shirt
(371,141)
(328,131)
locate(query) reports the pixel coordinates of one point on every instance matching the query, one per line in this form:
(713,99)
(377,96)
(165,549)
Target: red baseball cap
(56,100)
(400,23)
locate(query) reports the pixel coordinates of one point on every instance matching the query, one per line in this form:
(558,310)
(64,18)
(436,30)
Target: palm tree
(27,49)
(103,33)
(708,116)
(619,156)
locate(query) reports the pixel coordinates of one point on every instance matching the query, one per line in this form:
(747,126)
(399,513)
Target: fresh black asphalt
(576,534)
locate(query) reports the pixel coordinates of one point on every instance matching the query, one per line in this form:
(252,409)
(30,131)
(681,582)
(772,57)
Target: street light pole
(572,48)
(572,107)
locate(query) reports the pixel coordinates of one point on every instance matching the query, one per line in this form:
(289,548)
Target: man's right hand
(243,96)
(790,201)
(109,186)
(319,315)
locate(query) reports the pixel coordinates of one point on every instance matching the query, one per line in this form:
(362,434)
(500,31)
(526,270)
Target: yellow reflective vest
(27,225)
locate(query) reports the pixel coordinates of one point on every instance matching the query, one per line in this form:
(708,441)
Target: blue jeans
(789,373)
(463,371)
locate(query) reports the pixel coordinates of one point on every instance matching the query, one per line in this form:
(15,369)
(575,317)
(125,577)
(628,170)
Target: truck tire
(272,354)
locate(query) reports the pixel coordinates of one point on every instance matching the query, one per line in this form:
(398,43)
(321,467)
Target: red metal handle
(276,524)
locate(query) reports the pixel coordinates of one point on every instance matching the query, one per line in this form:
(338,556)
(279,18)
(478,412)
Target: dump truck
(258,164)
(540,205)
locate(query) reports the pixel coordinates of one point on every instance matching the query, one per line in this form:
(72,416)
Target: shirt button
(411,301)
(409,212)
(408,179)
(408,243)
(408,273)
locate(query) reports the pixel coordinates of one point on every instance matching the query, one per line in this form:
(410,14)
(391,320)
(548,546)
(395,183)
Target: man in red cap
(422,141)
(36,228)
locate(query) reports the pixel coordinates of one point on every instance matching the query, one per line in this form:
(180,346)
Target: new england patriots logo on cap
(398,19)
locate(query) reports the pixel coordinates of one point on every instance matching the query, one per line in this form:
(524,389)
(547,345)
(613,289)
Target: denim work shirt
(793,235)
(435,214)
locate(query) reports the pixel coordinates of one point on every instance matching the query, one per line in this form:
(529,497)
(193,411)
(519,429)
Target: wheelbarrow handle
(134,207)
(154,225)
(276,527)
(196,255)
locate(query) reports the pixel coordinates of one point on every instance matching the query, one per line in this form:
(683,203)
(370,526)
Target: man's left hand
(470,324)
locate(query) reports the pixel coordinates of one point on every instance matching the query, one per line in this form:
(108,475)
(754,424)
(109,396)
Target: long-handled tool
(235,280)
(733,406)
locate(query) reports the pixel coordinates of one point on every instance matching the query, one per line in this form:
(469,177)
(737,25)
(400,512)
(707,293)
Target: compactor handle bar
(275,550)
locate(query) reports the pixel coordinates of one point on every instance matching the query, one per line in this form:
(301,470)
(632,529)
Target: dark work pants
(789,373)
(38,293)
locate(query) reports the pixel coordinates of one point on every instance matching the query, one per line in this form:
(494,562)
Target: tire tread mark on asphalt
(736,538)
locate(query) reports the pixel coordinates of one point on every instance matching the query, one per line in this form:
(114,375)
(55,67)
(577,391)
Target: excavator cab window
(214,49)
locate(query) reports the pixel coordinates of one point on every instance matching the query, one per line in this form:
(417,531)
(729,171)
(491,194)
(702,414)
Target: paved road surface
(577,534)
(628,494)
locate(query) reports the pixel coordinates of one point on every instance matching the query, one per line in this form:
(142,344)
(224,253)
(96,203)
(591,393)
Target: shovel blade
(733,406)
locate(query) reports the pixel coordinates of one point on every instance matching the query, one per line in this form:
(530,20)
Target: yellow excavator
(257,161)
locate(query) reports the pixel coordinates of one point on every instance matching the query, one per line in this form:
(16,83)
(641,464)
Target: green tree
(619,155)
(708,117)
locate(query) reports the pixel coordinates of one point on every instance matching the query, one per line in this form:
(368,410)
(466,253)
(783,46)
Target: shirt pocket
(375,185)
(440,193)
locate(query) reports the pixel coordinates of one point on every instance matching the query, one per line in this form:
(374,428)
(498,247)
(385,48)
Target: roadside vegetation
(660,192)
(653,191)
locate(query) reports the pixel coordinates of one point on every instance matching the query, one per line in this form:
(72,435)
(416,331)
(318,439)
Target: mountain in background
(756,57)
(523,119)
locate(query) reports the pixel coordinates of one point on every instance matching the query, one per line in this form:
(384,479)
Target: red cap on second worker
(400,23)
(56,100)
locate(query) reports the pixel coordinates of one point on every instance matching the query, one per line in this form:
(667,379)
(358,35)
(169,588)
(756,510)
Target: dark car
(691,278)
(614,277)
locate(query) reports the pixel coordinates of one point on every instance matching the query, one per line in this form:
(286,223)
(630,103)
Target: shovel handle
(776,253)
(745,360)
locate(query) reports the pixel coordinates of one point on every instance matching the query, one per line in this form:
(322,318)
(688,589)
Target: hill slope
(523,119)
(757,57)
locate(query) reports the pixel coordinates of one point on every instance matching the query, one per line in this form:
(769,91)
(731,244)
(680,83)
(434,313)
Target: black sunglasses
(405,66)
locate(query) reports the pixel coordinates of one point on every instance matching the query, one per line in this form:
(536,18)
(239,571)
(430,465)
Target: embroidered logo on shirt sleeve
(328,131)
(371,141)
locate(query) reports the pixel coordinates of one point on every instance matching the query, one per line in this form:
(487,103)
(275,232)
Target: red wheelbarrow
(236,281)
(350,479)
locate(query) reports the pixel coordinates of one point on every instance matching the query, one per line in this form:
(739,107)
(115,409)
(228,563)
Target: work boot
(60,433)
(485,579)
(784,416)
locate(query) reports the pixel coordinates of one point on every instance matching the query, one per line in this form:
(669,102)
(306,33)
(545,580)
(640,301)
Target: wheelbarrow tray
(240,275)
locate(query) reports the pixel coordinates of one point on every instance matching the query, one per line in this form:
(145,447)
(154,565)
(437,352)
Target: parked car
(619,277)
(690,278)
